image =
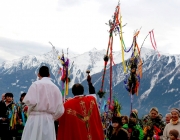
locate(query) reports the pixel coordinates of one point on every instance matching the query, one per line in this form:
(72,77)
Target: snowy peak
(159,85)
(93,50)
(91,60)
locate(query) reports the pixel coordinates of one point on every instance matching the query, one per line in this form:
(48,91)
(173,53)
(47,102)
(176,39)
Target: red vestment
(81,120)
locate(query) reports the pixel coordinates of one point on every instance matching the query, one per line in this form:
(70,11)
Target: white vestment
(45,105)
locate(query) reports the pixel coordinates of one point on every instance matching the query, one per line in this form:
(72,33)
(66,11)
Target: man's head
(3,96)
(43,72)
(168,118)
(77,89)
(133,117)
(22,96)
(9,97)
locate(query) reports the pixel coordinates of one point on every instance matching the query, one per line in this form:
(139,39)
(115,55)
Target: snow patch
(170,60)
(13,84)
(23,87)
(170,80)
(172,90)
(152,83)
(167,75)
(177,60)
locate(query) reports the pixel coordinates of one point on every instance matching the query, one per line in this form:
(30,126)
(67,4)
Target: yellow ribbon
(67,87)
(122,47)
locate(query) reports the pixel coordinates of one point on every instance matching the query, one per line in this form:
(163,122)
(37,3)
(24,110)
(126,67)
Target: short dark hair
(118,120)
(44,71)
(77,89)
(22,95)
(8,94)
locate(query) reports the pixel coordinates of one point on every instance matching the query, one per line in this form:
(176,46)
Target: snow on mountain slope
(92,60)
(161,75)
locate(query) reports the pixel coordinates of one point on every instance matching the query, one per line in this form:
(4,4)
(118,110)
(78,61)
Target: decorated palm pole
(64,70)
(111,60)
(108,56)
(64,74)
(133,66)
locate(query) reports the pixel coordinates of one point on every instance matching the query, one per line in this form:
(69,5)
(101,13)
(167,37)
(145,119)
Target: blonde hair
(154,109)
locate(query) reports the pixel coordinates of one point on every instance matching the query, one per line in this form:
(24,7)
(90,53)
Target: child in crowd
(173,134)
(125,121)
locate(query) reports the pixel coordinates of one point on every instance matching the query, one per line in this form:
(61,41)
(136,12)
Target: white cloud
(80,25)
(13,49)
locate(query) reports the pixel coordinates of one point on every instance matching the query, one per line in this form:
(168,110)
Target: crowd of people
(12,117)
(42,114)
(151,127)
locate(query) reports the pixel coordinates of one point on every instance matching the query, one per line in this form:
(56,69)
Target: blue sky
(26,26)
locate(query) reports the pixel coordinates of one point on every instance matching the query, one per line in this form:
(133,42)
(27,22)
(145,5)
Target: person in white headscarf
(174,123)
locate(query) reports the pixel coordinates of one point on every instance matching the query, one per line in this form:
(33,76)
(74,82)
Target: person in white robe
(45,105)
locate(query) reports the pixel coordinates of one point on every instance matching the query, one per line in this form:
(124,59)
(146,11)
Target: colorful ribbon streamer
(153,41)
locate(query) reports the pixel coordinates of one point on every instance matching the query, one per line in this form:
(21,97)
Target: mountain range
(159,85)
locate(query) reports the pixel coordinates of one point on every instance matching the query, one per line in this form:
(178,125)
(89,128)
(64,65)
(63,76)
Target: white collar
(78,96)
(46,78)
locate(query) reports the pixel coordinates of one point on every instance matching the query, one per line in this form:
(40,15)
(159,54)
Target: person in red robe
(81,119)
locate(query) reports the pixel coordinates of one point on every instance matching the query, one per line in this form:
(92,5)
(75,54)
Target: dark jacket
(121,135)
(3,109)
(6,132)
(153,124)
(136,132)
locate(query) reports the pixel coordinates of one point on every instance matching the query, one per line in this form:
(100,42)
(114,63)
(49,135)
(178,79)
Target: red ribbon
(153,41)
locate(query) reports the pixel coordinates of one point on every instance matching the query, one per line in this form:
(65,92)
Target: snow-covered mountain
(159,85)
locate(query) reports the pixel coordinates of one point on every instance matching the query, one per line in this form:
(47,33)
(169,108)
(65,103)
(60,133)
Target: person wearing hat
(118,132)
(154,126)
(134,129)
(173,134)
(174,123)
